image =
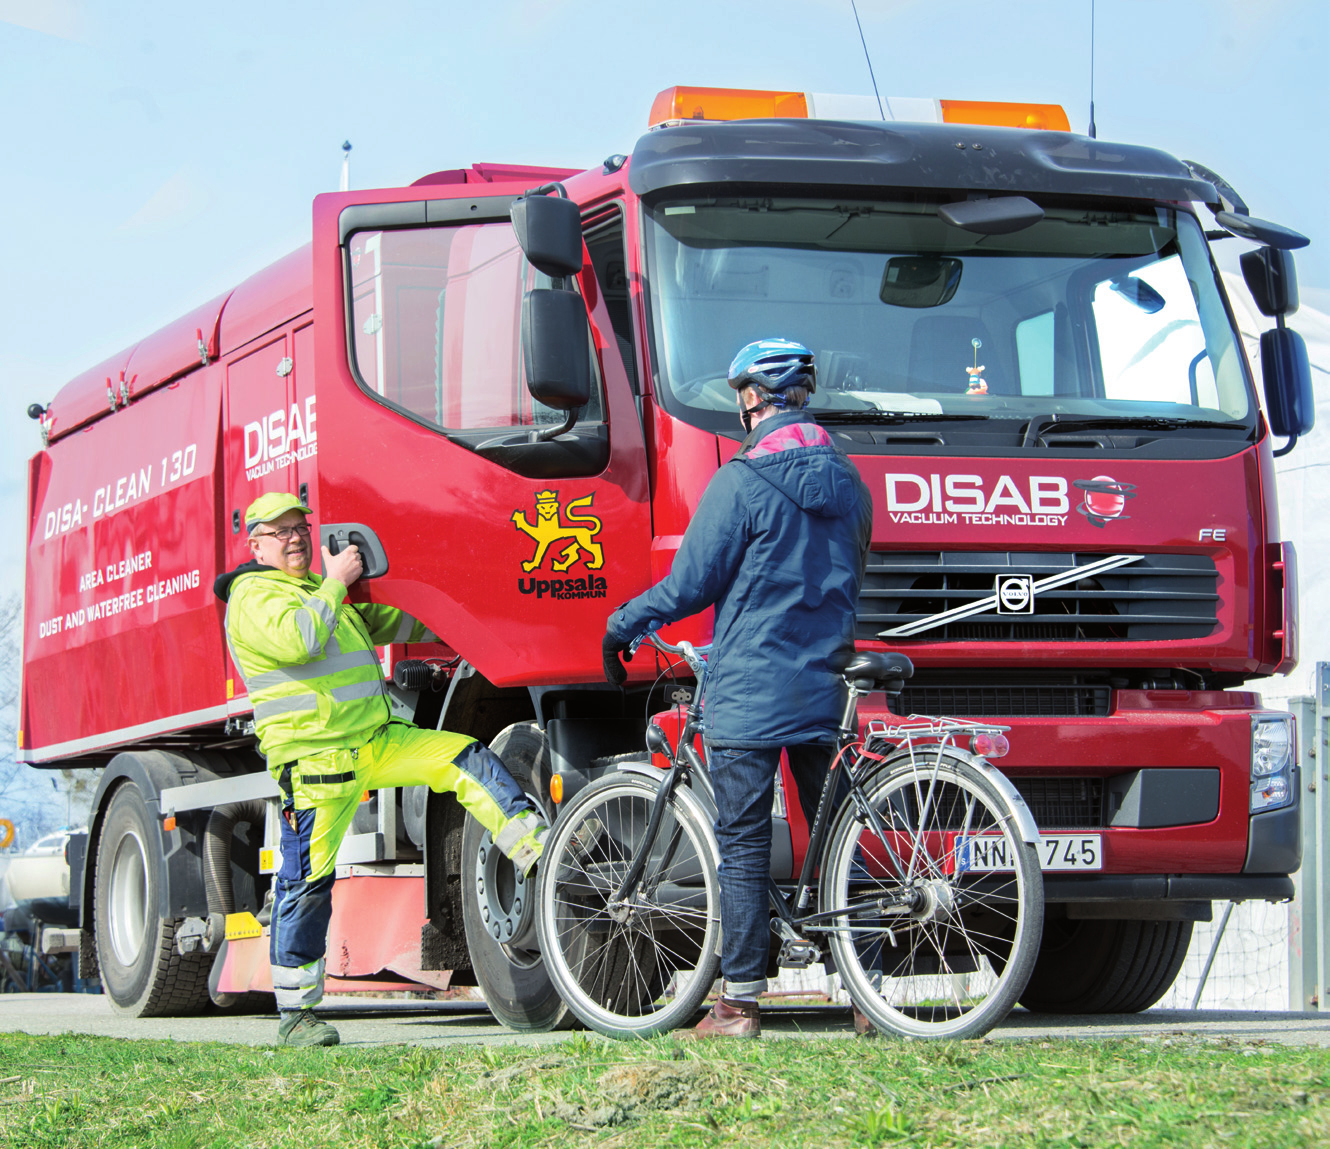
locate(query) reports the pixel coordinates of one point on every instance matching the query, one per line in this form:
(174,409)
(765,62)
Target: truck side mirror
(1288,384)
(1271,279)
(549,231)
(554,349)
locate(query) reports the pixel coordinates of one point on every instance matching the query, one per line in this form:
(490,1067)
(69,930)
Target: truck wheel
(498,908)
(1105,966)
(141,972)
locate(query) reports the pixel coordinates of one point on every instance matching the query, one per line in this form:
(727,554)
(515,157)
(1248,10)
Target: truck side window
(1150,340)
(604,241)
(1034,354)
(437,322)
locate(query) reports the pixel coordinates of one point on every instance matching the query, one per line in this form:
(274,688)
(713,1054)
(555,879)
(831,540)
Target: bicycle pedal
(798,954)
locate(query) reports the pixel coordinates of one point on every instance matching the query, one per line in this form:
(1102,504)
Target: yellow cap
(270,506)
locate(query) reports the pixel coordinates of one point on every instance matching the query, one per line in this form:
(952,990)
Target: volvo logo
(1015,594)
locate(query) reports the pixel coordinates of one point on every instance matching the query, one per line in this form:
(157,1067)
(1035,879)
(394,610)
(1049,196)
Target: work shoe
(730,1017)
(302,1027)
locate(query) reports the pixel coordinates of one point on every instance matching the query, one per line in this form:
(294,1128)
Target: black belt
(327,779)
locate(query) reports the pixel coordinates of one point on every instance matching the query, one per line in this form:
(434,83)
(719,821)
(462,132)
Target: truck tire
(141,972)
(1105,966)
(509,969)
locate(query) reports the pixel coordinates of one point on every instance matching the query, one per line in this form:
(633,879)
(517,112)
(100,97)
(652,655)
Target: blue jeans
(744,781)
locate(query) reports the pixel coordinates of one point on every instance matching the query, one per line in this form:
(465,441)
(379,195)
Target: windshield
(1090,314)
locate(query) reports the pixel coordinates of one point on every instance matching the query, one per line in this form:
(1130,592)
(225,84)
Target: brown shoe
(730,1018)
(862,1025)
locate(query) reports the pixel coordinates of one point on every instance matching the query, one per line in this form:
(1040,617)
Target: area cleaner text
(1041,502)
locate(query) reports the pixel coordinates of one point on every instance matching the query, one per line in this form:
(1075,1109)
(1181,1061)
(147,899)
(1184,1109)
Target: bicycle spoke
(953,962)
(638,962)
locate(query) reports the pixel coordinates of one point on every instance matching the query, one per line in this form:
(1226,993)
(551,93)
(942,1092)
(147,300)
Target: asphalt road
(439,1024)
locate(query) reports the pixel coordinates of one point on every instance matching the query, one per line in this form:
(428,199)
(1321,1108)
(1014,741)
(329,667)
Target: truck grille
(1063,803)
(1005,701)
(1159,597)
(1056,803)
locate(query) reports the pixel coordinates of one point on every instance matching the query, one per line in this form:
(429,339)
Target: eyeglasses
(284,534)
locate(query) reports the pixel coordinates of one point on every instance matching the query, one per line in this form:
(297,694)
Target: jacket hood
(221,585)
(795,455)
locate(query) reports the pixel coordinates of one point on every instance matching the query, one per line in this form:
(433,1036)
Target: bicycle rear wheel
(641,965)
(928,944)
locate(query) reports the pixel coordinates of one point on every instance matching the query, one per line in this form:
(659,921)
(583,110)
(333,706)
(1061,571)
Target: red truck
(507,386)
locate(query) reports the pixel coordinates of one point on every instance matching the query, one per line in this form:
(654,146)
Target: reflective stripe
(265,710)
(305,625)
(330,663)
(327,779)
(356,690)
(298,987)
(404,629)
(327,615)
(516,830)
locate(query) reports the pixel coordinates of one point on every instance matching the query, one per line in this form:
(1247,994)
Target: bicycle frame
(938,735)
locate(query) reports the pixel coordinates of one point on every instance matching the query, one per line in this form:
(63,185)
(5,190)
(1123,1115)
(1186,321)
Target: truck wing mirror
(1288,385)
(549,231)
(554,349)
(1271,279)
(1261,230)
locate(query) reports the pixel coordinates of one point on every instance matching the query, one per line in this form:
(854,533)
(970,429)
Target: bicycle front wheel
(641,963)
(927,943)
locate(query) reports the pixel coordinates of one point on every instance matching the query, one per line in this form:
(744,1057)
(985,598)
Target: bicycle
(929,894)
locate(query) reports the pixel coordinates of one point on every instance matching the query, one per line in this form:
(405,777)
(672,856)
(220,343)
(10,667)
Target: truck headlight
(1271,763)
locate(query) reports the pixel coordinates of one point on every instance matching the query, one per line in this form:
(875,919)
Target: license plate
(986,853)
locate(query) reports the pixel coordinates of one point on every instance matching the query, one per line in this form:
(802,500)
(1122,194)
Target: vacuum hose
(217,850)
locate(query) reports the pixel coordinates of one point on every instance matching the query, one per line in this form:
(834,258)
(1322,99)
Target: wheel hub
(507,904)
(128,901)
(933,898)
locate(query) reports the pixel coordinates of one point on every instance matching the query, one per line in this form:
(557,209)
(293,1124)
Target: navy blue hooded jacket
(778,544)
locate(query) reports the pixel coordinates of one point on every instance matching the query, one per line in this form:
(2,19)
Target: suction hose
(217,850)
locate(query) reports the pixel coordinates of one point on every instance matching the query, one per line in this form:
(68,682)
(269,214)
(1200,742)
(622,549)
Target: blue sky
(156,154)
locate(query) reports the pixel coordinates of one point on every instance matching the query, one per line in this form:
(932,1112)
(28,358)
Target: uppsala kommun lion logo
(550,527)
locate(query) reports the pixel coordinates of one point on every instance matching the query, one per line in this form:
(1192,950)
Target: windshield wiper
(1162,423)
(888,417)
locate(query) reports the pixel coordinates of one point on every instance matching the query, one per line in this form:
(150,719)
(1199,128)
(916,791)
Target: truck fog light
(1271,763)
(1270,793)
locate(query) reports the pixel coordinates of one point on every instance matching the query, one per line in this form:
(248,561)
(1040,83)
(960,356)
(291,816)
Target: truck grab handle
(335,536)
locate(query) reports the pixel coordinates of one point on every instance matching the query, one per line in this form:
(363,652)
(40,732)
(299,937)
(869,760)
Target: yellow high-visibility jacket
(308,659)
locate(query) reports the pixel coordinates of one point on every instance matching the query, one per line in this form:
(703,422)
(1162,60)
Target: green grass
(73,1091)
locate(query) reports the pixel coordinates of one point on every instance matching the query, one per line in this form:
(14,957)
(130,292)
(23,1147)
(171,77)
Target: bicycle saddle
(871,670)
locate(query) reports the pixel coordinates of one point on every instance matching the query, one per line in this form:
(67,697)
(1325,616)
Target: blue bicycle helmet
(772,366)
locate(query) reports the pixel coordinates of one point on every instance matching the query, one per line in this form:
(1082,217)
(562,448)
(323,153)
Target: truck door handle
(335,536)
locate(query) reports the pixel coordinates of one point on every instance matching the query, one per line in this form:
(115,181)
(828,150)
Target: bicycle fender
(1011,797)
(653,775)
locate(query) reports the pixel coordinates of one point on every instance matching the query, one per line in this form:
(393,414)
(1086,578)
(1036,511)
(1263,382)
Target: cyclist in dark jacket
(778,545)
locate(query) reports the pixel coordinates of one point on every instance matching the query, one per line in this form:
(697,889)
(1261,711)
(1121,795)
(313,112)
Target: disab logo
(550,528)
(1105,499)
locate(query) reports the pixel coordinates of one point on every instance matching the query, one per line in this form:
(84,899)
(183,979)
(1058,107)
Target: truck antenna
(346,165)
(1092,129)
(855,8)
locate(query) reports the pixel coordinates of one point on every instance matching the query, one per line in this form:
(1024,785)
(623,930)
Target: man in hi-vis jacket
(325,725)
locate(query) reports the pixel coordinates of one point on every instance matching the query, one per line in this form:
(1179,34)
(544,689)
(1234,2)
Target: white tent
(1304,490)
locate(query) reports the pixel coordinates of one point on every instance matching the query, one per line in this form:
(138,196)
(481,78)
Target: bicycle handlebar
(695,656)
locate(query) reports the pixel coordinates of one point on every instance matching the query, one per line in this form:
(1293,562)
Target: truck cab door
(512,547)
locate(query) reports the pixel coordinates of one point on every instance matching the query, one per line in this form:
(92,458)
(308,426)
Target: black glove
(610,648)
